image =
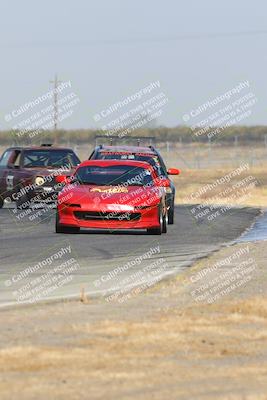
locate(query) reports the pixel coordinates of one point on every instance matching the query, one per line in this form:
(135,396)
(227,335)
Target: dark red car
(27,174)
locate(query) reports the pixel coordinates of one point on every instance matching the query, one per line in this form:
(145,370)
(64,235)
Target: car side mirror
(173,171)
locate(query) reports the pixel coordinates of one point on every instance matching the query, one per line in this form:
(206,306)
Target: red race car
(112,194)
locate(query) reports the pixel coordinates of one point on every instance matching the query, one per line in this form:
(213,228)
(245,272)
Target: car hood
(106,195)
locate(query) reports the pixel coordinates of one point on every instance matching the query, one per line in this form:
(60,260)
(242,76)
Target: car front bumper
(44,195)
(86,217)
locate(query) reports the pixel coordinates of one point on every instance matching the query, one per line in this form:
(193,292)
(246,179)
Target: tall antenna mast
(55,82)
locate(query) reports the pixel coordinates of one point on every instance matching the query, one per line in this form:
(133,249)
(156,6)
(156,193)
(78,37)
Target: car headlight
(39,180)
(168,189)
(120,207)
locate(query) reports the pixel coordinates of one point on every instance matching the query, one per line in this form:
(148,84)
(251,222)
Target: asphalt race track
(38,264)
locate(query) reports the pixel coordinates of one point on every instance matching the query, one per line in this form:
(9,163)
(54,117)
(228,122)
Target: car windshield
(151,159)
(114,175)
(50,158)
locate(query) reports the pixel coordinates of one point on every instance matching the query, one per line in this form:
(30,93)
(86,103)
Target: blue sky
(110,49)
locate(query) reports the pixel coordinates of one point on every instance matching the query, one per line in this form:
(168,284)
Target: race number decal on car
(10,182)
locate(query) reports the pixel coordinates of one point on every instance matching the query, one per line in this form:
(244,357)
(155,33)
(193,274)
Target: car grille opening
(106,216)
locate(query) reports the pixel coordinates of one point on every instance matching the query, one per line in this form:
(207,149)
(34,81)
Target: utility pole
(55,82)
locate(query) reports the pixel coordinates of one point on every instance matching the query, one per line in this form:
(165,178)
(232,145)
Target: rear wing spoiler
(113,140)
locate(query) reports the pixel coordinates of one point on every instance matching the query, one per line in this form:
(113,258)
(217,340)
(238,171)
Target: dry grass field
(192,180)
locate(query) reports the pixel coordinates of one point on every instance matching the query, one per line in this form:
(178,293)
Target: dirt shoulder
(165,343)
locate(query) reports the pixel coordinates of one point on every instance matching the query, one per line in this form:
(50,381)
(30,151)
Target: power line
(141,40)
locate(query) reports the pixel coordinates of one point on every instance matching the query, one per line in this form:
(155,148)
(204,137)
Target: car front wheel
(171,214)
(165,222)
(159,230)
(22,202)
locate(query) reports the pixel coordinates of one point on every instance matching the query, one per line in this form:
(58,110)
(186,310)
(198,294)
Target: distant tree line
(182,134)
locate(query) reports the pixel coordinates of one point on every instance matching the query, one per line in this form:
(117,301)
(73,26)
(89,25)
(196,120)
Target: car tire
(171,214)
(159,230)
(64,228)
(20,202)
(1,202)
(23,200)
(165,222)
